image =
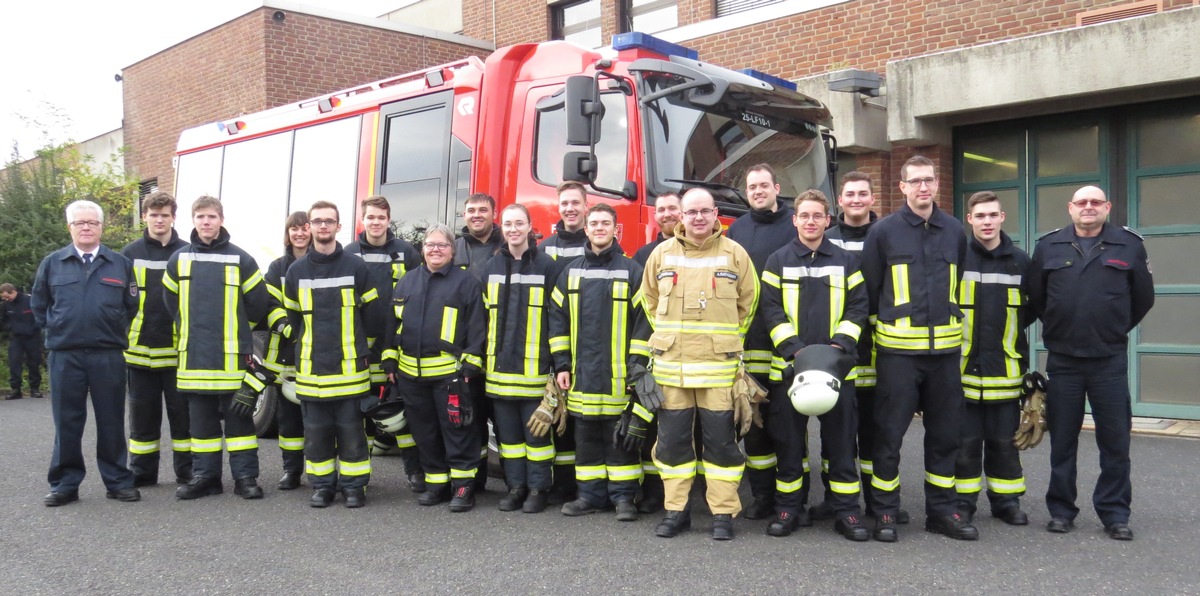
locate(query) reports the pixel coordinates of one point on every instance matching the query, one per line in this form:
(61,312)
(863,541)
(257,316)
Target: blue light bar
(766,78)
(636,40)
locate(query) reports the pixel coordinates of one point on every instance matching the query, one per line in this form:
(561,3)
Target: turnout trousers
(73,374)
(335,446)
(761,453)
(604,472)
(789,429)
(206,412)
(987,449)
(527,459)
(290,417)
(1104,383)
(449,455)
(27,350)
(150,389)
(931,384)
(675,450)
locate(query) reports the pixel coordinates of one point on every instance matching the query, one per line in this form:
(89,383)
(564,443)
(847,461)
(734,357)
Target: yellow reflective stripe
(254,279)
(458,473)
(449,323)
(685,470)
(789,487)
(405,441)
(939,481)
(639,347)
(727,473)
(142,447)
(782,332)
(241,443)
(354,468)
(900,284)
(431,478)
(560,343)
(585,473)
(848,328)
(642,412)
(845,488)
(533,329)
(825,466)
(968,485)
(318,468)
(291,443)
(206,445)
(348,311)
(648,467)
(545,453)
(866,466)
(564,458)
(516,451)
(624,473)
(1006,486)
(181,445)
(762,462)
(885,485)
(618,328)
(208,380)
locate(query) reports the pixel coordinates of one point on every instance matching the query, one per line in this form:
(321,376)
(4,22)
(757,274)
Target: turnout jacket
(516,295)
(699,299)
(386,265)
(1089,304)
(643,254)
(564,245)
(81,308)
(18,315)
(995,315)
(438,325)
(761,233)
(852,238)
(152,335)
(598,329)
(216,295)
(812,297)
(326,296)
(913,268)
(472,255)
(281,351)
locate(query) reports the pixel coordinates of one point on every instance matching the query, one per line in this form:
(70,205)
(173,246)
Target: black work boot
(514,499)
(762,508)
(199,487)
(673,523)
(535,502)
(464,499)
(247,488)
(434,496)
(952,525)
(289,481)
(783,525)
(722,526)
(354,497)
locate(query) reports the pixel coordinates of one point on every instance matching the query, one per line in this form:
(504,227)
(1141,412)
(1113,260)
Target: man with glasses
(912,261)
(700,292)
(84,296)
(1090,284)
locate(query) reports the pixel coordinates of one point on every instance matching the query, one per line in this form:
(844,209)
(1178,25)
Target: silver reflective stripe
(992,278)
(532,280)
(600,274)
(209,257)
(695,262)
(146,264)
(798,272)
(374,257)
(851,245)
(345,281)
(565,252)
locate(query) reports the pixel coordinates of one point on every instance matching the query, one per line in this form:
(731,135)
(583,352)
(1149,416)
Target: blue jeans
(1104,382)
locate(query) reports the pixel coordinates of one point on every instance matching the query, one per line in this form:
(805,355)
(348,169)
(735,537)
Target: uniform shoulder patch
(133,289)
(1131,231)
(1048,233)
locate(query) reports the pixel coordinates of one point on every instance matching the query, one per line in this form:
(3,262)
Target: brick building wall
(253,63)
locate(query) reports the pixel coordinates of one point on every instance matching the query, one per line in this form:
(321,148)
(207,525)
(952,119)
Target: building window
(728,7)
(649,16)
(577,22)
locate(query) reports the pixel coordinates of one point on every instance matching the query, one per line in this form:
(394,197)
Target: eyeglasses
(437,245)
(692,213)
(918,182)
(86,223)
(321,223)
(815,217)
(1088,203)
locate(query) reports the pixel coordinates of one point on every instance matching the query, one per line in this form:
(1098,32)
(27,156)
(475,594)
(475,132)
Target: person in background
(24,341)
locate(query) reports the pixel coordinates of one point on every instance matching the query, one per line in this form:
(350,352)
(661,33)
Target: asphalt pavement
(222,544)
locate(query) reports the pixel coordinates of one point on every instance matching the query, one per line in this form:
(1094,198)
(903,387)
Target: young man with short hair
(24,341)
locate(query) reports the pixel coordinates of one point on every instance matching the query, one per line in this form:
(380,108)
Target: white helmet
(814,392)
(287,384)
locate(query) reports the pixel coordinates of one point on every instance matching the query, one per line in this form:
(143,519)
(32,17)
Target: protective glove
(390,368)
(1032,426)
(551,412)
(632,428)
(743,414)
(256,379)
(460,408)
(646,389)
(751,393)
(244,401)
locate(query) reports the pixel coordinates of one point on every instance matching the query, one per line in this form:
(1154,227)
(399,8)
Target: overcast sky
(60,56)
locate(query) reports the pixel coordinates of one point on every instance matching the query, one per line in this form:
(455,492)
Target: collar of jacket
(681,235)
(915,220)
(443,272)
(321,258)
(526,256)
(765,216)
(220,241)
(68,251)
(494,238)
(579,235)
(1003,250)
(1109,234)
(841,221)
(150,239)
(388,236)
(603,256)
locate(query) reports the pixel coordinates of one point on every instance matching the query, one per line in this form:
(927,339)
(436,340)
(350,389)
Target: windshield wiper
(727,192)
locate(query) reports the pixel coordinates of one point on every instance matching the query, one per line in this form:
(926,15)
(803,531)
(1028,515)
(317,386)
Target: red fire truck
(634,121)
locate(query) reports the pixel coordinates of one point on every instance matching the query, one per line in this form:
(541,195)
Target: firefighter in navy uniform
(566,244)
(666,215)
(813,293)
(599,334)
(765,229)
(912,261)
(436,346)
(216,295)
(280,356)
(518,284)
(24,340)
(995,316)
(328,295)
(1090,284)
(151,358)
(388,259)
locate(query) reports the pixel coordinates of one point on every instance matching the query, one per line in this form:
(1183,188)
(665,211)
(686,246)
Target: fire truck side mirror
(580,166)
(583,111)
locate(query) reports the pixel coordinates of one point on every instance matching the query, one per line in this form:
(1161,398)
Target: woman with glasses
(435,346)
